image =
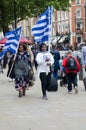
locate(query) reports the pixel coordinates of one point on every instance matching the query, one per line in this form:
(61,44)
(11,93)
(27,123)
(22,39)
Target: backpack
(71,64)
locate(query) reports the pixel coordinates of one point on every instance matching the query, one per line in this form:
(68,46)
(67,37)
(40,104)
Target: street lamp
(15,18)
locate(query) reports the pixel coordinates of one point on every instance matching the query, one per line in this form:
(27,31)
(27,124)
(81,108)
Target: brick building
(70,25)
(71,22)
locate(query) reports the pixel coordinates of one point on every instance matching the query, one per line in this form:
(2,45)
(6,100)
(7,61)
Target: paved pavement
(62,111)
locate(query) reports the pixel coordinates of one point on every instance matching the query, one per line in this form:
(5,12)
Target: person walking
(83,56)
(72,66)
(35,50)
(76,54)
(83,63)
(22,65)
(44,60)
(56,56)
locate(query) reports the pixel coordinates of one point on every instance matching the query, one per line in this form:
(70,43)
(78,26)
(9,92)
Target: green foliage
(28,8)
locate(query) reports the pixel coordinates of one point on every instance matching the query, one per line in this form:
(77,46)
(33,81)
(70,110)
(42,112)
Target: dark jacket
(56,56)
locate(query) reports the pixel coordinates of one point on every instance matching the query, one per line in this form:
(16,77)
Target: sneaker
(76,89)
(70,92)
(10,80)
(45,97)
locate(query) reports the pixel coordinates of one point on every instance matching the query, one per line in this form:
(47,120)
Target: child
(71,67)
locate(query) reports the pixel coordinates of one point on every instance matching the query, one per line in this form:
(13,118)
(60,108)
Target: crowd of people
(47,64)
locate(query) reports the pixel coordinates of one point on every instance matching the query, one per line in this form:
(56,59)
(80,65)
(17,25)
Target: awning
(22,40)
(62,39)
(54,40)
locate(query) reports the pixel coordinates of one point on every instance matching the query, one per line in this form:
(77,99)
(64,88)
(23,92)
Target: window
(63,27)
(78,25)
(78,14)
(67,27)
(66,14)
(79,39)
(62,15)
(59,27)
(59,15)
(78,2)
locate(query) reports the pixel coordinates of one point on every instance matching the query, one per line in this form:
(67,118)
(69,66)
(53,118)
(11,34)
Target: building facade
(72,22)
(78,21)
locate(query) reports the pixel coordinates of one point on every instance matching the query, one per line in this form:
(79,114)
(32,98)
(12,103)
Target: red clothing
(64,64)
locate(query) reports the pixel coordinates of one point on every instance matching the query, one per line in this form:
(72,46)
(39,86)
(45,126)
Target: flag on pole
(12,42)
(42,29)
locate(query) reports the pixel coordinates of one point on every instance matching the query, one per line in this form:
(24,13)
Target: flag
(12,42)
(42,29)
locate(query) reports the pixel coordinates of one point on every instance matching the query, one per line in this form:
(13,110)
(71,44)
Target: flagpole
(50,27)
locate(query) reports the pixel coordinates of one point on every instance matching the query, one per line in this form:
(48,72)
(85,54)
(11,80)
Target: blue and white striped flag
(42,29)
(12,42)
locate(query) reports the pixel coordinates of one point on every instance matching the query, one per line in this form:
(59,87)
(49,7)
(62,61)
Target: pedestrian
(56,56)
(31,72)
(76,55)
(83,56)
(83,62)
(22,66)
(74,52)
(72,66)
(35,50)
(44,60)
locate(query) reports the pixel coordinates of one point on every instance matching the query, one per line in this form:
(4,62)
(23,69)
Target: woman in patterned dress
(21,70)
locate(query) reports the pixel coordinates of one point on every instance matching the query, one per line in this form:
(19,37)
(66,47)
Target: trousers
(45,81)
(71,79)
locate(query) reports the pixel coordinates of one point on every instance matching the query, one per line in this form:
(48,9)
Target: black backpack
(71,64)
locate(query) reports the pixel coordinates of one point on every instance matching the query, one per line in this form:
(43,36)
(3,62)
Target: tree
(19,9)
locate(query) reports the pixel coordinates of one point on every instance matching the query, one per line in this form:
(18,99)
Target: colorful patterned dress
(21,70)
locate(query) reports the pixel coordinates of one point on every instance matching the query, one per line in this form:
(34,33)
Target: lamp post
(15,18)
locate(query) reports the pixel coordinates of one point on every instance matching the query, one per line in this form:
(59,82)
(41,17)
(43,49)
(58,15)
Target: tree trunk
(4,19)
(4,25)
(5,29)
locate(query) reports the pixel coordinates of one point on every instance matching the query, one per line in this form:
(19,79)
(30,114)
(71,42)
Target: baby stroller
(63,80)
